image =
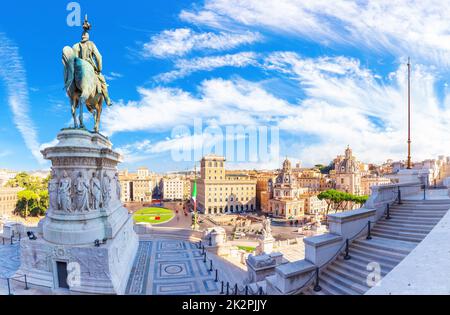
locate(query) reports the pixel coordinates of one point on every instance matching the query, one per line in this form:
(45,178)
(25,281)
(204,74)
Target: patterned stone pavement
(9,260)
(161,267)
(170,267)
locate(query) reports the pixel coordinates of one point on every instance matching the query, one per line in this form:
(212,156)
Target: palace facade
(219,192)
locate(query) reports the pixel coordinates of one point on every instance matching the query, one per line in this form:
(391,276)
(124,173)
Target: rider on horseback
(87,51)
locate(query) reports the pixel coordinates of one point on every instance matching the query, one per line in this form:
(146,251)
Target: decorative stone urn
(86,242)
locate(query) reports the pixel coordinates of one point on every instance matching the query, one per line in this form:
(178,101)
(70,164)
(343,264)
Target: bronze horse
(81,85)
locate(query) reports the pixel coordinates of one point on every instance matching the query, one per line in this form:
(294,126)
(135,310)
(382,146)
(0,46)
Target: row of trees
(341,201)
(33,199)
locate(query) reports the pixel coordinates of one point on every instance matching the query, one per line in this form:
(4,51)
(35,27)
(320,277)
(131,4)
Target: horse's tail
(68,58)
(85,78)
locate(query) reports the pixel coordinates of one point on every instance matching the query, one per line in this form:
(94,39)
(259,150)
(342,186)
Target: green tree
(339,200)
(33,200)
(27,182)
(27,201)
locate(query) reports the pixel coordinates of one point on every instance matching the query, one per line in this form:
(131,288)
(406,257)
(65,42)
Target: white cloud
(347,104)
(404,27)
(13,74)
(113,76)
(178,42)
(185,67)
(225,102)
(342,104)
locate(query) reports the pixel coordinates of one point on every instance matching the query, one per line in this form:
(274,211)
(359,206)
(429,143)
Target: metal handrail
(8,280)
(229,289)
(338,252)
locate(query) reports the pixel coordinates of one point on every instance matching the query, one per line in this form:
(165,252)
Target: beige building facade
(173,188)
(136,187)
(8,201)
(219,192)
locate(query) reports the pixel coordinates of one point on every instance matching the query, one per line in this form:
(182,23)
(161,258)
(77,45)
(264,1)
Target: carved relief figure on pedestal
(82,193)
(118,188)
(64,192)
(96,191)
(106,190)
(53,191)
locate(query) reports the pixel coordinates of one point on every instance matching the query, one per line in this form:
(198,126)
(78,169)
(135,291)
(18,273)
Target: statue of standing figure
(82,193)
(118,187)
(267,229)
(53,191)
(64,192)
(96,191)
(106,190)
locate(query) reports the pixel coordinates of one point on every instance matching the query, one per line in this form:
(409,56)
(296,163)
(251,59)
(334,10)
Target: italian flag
(194,195)
(194,200)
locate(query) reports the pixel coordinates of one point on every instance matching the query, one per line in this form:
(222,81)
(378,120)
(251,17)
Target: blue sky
(325,76)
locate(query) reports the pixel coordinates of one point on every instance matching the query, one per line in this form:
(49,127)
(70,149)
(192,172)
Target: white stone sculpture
(267,229)
(71,236)
(96,191)
(64,192)
(106,190)
(82,193)
(118,187)
(53,191)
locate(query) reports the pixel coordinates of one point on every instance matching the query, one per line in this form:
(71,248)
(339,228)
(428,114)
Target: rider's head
(85,37)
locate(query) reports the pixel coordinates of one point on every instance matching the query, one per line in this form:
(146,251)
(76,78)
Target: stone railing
(292,278)
(388,194)
(169,232)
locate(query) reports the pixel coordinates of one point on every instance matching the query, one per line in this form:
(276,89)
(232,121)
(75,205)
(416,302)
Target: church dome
(287,165)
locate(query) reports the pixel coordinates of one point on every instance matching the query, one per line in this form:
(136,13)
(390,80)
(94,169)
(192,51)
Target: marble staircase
(392,240)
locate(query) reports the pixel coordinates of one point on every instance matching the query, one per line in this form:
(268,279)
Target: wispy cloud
(13,74)
(181,41)
(340,103)
(404,27)
(113,76)
(185,67)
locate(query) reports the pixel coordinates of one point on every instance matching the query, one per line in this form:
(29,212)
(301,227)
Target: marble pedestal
(261,266)
(86,242)
(265,245)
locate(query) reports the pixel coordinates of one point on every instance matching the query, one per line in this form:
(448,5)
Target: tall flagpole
(194,196)
(409,115)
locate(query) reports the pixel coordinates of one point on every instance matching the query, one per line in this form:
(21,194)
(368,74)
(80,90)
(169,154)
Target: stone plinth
(261,266)
(265,245)
(215,236)
(85,209)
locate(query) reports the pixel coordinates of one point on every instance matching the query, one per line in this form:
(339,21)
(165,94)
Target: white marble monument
(86,242)
(266,241)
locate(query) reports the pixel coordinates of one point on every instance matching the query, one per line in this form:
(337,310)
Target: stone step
(402,228)
(416,215)
(372,255)
(400,247)
(421,221)
(356,276)
(425,202)
(388,224)
(421,207)
(398,237)
(357,264)
(421,211)
(418,234)
(340,284)
(365,260)
(380,252)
